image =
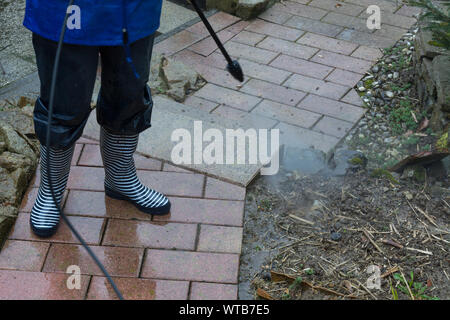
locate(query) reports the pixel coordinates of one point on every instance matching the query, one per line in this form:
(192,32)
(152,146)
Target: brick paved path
(301,62)
(193,253)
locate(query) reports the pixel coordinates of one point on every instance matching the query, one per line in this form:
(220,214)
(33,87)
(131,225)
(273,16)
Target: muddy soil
(328,230)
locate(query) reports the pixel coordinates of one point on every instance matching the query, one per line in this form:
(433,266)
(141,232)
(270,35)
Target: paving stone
(408,11)
(301,66)
(200,103)
(240,50)
(238,26)
(220,239)
(207,46)
(173,16)
(367,53)
(219,77)
(150,235)
(273,92)
(86,178)
(263,72)
(218,21)
(76,153)
(172,168)
(253,120)
(385,5)
(22,285)
(315,86)
(333,127)
(138,289)
(366,39)
(249,38)
(173,183)
(177,42)
(390,32)
(84,140)
(217,189)
(396,20)
(28,199)
(344,77)
(288,114)
(91,157)
(302,138)
(213,291)
(315,26)
(287,47)
(195,266)
(191,58)
(220,212)
(89,228)
(275,15)
(228,97)
(274,30)
(352,97)
(342,62)
(340,7)
(97,204)
(332,108)
(301,10)
(119,262)
(23,255)
(343,20)
(327,43)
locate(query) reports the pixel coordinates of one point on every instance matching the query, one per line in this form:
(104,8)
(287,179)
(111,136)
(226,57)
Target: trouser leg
(74,87)
(125,103)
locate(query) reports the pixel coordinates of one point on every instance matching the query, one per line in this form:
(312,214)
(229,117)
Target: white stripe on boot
(44,217)
(121,181)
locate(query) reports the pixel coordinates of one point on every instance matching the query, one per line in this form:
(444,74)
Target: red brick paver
(199,241)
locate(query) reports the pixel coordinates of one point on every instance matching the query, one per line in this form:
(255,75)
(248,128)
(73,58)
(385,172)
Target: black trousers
(124,104)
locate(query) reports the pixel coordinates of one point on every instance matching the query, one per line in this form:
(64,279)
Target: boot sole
(43,233)
(161,211)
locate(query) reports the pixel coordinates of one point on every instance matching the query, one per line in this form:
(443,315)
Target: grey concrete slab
(173,16)
(168,116)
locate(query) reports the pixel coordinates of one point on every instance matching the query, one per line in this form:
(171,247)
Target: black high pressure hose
(47,142)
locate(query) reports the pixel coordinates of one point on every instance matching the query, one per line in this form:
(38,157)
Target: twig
(390,271)
(427,216)
(421,251)
(301,220)
(367,290)
(366,233)
(392,243)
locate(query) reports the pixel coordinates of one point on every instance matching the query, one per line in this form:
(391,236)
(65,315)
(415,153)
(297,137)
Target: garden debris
(423,158)
(263,294)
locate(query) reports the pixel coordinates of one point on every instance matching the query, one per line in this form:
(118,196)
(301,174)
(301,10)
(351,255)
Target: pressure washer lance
(233,67)
(50,115)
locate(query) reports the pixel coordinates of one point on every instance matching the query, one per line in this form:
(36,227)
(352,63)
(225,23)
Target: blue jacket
(99,23)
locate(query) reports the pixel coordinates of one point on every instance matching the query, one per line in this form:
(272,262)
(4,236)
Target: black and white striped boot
(121,181)
(44,219)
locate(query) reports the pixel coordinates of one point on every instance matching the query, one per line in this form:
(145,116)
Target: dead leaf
(423,124)
(280,277)
(263,294)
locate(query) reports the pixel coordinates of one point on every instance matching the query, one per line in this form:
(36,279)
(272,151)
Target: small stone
(389,94)
(408,195)
(335,236)
(375,69)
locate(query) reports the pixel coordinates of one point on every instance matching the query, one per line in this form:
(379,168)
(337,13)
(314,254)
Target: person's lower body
(124,108)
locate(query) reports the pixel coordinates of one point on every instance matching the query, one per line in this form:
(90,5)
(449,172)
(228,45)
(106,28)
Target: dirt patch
(329,230)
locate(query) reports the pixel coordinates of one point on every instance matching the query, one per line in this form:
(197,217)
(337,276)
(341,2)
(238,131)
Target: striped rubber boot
(121,181)
(44,219)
